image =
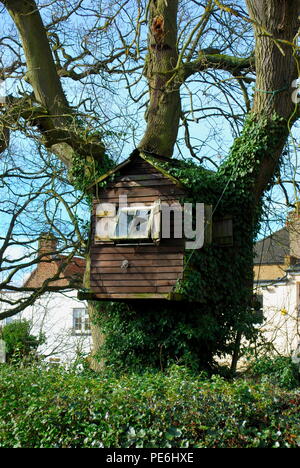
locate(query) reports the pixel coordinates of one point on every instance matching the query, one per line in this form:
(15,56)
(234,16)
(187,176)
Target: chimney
(293,225)
(47,244)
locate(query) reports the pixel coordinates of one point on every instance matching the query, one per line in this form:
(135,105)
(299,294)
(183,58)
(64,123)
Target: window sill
(80,333)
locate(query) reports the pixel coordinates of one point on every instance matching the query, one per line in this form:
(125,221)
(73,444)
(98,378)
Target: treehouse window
(131,223)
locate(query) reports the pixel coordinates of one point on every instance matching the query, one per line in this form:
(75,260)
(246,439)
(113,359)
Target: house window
(131,223)
(81,321)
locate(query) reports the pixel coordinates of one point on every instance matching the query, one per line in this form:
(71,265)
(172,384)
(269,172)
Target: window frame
(84,321)
(153,228)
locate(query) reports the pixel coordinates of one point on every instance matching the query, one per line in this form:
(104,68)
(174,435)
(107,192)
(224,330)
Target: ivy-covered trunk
(220,279)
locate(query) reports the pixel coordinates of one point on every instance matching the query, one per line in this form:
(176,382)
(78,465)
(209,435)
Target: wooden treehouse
(134,256)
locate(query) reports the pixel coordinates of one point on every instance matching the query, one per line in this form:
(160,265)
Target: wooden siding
(153,270)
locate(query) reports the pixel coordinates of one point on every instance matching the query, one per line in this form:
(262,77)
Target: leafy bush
(278,370)
(19,342)
(55,408)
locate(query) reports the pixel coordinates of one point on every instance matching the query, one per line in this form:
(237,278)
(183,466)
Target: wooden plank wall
(153,269)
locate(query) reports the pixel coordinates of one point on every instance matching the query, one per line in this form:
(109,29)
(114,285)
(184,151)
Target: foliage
(53,408)
(85,171)
(278,370)
(259,140)
(19,342)
(149,336)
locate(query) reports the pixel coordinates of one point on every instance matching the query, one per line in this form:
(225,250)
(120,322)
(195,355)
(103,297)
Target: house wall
(269,272)
(281,312)
(52,314)
(153,269)
(293,224)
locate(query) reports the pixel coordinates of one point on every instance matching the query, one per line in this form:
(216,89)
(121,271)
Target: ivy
(85,171)
(258,141)
(217,280)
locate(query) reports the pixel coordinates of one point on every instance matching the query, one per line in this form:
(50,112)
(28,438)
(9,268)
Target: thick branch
(228,63)
(57,117)
(40,64)
(60,140)
(275,63)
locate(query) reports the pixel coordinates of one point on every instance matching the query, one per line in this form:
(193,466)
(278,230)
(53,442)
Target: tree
(35,198)
(19,342)
(191,47)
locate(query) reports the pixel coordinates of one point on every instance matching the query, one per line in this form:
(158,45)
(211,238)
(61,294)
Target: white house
(60,316)
(277,286)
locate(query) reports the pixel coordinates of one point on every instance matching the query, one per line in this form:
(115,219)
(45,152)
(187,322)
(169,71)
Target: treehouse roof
(167,166)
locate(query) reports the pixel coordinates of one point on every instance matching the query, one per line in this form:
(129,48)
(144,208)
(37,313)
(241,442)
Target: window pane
(79,318)
(77,323)
(122,225)
(139,226)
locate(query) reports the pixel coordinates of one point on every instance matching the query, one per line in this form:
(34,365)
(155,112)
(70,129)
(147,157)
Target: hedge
(55,408)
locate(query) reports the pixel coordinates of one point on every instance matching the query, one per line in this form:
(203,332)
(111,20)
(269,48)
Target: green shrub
(278,370)
(53,408)
(19,342)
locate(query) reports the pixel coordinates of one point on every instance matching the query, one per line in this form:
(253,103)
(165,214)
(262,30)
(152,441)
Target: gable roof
(273,248)
(161,163)
(71,275)
(74,271)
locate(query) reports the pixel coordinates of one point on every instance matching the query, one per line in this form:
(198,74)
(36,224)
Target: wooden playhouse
(133,260)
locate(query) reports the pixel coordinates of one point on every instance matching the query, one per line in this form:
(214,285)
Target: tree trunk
(276,27)
(98,337)
(164,107)
(96,332)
